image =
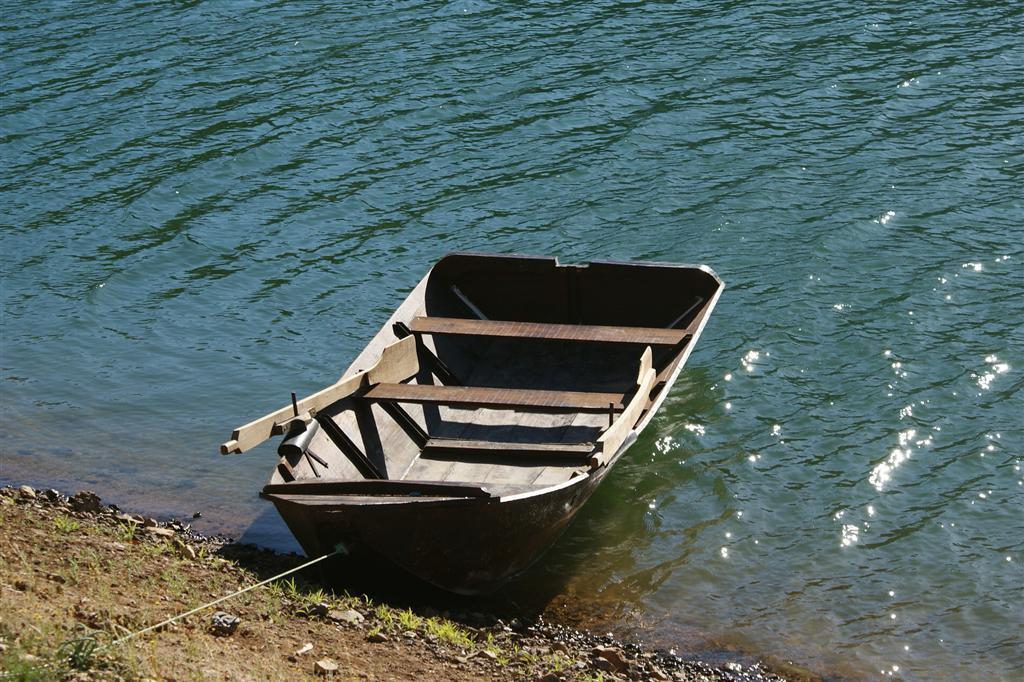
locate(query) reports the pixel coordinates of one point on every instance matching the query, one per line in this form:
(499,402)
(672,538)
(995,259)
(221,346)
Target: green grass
(448,632)
(407,620)
(386,615)
(66,525)
(79,654)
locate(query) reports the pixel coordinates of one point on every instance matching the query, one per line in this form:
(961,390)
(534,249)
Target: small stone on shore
(185,551)
(157,531)
(27,493)
(223,624)
(657,673)
(349,616)
(325,666)
(86,501)
(615,658)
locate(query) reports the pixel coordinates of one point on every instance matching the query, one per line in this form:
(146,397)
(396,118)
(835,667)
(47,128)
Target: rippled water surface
(209,204)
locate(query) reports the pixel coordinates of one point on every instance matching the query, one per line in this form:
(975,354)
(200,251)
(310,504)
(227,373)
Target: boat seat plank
(655,336)
(477,448)
(376,487)
(496,398)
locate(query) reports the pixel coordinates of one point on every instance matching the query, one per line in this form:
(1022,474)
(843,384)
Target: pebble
(657,673)
(27,493)
(325,666)
(224,624)
(484,653)
(614,656)
(159,532)
(306,648)
(377,638)
(86,501)
(349,616)
(185,551)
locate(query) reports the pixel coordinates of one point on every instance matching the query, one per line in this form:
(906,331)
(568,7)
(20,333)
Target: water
(207,205)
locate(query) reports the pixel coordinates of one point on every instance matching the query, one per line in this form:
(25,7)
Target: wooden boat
(464,438)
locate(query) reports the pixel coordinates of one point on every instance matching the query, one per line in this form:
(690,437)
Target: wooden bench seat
(651,336)
(438,447)
(496,398)
(377,487)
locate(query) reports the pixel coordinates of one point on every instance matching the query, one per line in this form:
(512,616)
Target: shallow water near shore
(207,206)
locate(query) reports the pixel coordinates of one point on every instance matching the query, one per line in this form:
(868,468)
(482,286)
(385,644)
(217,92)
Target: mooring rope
(122,640)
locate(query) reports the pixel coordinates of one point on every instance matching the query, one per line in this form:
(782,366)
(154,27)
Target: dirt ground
(76,577)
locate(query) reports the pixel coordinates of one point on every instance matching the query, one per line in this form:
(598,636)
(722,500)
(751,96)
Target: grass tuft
(448,632)
(66,524)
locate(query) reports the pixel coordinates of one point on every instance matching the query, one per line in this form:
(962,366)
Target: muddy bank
(78,575)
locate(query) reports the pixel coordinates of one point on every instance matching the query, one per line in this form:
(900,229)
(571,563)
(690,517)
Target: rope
(337,550)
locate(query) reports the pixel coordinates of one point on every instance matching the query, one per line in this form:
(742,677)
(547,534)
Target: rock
(560,647)
(657,673)
(409,634)
(306,648)
(86,501)
(185,551)
(325,666)
(52,496)
(223,624)
(27,493)
(158,532)
(549,677)
(149,522)
(484,653)
(197,515)
(377,637)
(604,665)
(349,617)
(614,656)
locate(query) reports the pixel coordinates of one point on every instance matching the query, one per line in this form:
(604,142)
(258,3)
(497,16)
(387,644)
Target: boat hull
(470,546)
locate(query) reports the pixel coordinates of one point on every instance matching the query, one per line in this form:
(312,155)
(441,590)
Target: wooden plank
(397,362)
(496,398)
(497,449)
(616,434)
(656,336)
(376,487)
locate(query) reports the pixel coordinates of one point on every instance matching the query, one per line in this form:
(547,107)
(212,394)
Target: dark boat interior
(522,366)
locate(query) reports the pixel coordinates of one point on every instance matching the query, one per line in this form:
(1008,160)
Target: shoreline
(64,563)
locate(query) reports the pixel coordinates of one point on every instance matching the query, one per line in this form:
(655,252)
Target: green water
(207,205)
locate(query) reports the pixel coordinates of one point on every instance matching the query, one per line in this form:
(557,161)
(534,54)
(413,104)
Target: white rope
(217,601)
